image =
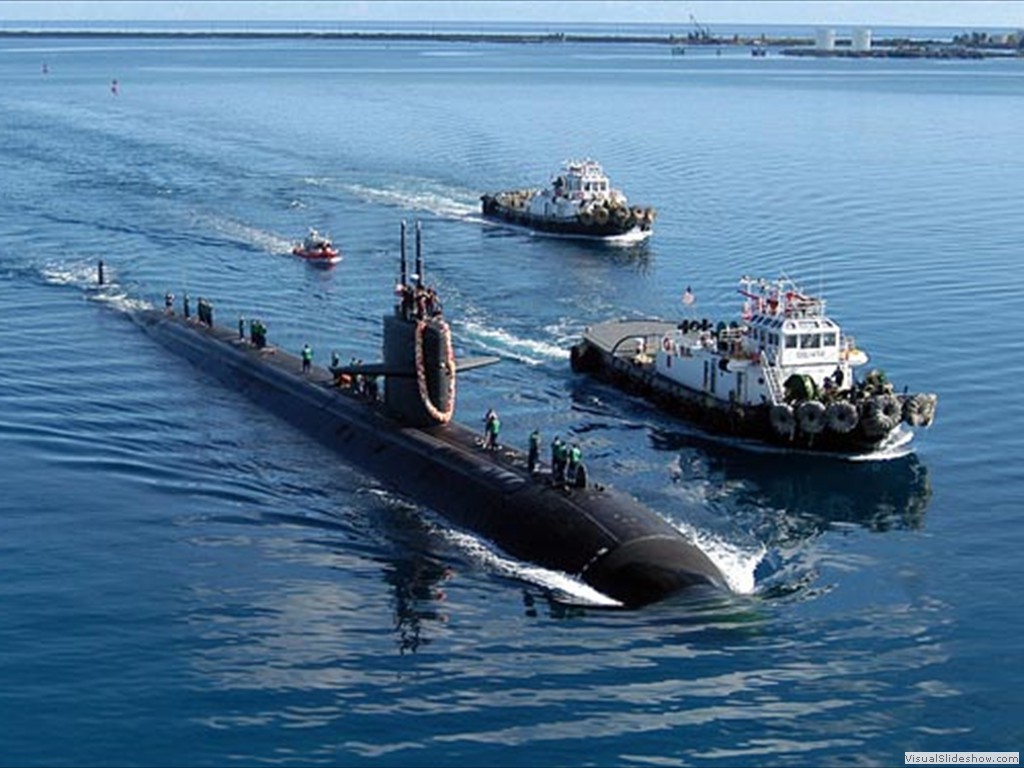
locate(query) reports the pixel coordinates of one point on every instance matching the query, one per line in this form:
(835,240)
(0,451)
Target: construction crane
(702,32)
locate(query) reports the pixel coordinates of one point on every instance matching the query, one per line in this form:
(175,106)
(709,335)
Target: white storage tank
(825,39)
(861,39)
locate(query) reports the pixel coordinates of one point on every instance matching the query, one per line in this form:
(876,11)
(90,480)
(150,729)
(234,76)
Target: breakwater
(899,48)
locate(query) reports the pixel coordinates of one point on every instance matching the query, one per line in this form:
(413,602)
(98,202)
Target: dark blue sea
(187,580)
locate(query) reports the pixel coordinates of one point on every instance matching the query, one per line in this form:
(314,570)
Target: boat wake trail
(897,446)
(83,275)
(419,195)
(245,234)
(631,238)
(737,563)
(498,341)
(561,586)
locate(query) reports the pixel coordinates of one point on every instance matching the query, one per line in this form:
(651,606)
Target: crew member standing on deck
(307,358)
(492,426)
(559,453)
(487,421)
(533,456)
(575,460)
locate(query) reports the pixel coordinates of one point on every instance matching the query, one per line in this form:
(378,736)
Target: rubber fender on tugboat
(799,387)
(586,217)
(782,419)
(810,415)
(841,417)
(600,215)
(874,420)
(919,410)
(892,408)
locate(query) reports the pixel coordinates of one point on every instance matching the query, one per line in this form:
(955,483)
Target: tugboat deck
(621,337)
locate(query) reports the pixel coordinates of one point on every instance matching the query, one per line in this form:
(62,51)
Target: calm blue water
(187,580)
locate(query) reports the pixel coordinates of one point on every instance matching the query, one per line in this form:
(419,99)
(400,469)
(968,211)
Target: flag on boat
(688,297)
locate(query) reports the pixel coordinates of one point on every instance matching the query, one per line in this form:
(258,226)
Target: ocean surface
(187,580)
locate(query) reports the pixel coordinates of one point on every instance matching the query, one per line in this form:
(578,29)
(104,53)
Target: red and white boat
(317,247)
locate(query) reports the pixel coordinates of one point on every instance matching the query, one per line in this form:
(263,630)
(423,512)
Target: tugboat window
(791,342)
(829,340)
(810,341)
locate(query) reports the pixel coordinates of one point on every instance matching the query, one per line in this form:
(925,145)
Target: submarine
(407,438)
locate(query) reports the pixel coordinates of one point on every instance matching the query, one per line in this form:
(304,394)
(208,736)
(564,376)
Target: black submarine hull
(607,539)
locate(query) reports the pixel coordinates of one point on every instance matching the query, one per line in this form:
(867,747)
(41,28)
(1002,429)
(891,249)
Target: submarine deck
(454,435)
(603,536)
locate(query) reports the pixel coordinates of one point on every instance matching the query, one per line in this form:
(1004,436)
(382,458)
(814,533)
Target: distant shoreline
(779,45)
(448,37)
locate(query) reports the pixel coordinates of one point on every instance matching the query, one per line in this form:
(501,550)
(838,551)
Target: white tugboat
(782,374)
(580,202)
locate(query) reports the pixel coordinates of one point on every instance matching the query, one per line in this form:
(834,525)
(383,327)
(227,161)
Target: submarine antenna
(404,276)
(419,256)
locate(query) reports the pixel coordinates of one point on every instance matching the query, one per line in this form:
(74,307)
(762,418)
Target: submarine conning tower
(417,339)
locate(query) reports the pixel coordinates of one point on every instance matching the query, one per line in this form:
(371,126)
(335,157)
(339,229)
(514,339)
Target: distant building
(825,39)
(861,40)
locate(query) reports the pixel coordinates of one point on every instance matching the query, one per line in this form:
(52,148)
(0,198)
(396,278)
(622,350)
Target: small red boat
(316,247)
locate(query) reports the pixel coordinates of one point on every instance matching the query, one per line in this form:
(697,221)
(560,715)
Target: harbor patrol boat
(318,248)
(580,202)
(783,374)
